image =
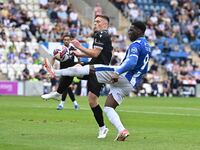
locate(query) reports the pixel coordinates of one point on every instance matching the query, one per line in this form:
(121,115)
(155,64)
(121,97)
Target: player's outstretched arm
(88,52)
(127,65)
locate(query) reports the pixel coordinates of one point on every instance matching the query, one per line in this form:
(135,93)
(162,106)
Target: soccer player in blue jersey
(122,78)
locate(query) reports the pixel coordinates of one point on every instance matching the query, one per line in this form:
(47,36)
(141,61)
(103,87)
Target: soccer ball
(61,53)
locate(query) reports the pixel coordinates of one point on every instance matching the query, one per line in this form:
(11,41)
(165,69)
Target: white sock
(78,71)
(102,128)
(75,102)
(62,103)
(114,118)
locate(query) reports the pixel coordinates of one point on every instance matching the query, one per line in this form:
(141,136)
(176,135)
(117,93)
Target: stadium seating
(171,39)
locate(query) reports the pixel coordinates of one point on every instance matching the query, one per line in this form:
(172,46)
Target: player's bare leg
(49,67)
(77,70)
(114,118)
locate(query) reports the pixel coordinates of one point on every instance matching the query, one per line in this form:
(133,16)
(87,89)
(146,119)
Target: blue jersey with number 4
(135,62)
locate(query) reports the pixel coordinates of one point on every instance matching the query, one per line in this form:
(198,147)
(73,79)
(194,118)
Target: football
(61,53)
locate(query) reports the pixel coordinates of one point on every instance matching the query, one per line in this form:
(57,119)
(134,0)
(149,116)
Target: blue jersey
(135,62)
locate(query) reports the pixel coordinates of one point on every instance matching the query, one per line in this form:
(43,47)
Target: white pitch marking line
(148,112)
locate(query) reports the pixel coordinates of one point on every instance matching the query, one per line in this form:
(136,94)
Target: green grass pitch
(29,123)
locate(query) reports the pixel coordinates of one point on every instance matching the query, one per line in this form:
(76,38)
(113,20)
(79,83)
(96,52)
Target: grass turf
(29,123)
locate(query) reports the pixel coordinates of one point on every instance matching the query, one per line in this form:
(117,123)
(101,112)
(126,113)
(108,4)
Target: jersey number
(145,62)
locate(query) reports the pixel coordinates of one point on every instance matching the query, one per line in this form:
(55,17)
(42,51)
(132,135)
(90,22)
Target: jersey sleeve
(130,60)
(133,50)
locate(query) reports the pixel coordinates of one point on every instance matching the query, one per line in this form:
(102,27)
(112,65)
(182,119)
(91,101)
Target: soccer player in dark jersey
(122,78)
(101,53)
(65,81)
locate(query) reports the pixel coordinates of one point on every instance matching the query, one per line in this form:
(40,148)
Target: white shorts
(119,89)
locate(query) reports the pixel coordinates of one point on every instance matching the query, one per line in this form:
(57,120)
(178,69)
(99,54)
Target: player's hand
(76,53)
(76,43)
(114,77)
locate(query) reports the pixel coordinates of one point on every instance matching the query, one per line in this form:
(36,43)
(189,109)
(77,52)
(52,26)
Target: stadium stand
(174,34)
(172,29)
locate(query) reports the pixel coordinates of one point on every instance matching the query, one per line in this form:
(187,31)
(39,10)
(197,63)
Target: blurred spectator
(62,13)
(42,73)
(11,53)
(26,73)
(156,53)
(134,12)
(98,9)
(36,57)
(43,4)
(112,30)
(13,35)
(166,88)
(86,31)
(3,35)
(73,18)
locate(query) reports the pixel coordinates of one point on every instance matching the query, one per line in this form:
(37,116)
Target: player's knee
(92,96)
(92,99)
(92,103)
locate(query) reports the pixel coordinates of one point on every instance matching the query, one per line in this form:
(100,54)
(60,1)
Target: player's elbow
(133,64)
(95,55)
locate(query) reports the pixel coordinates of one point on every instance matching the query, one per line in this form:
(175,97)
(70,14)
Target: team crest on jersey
(133,50)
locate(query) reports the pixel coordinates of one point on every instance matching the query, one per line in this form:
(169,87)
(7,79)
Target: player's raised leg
(49,67)
(54,95)
(77,70)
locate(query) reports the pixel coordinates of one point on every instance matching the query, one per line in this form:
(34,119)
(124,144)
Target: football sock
(114,118)
(102,128)
(64,95)
(71,94)
(62,103)
(75,102)
(98,114)
(78,71)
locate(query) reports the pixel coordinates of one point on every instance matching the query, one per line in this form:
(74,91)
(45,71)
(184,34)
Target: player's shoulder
(139,42)
(135,44)
(102,34)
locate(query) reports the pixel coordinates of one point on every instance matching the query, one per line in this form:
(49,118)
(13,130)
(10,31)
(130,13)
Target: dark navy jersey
(139,52)
(102,40)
